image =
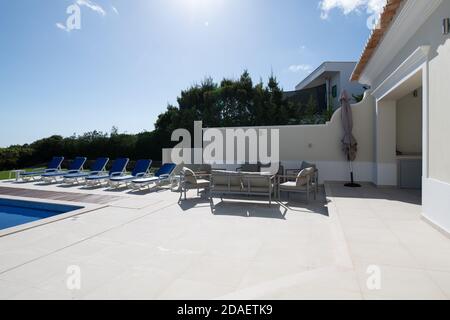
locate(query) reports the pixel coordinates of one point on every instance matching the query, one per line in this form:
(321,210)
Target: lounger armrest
(50,170)
(164,176)
(72,171)
(116,174)
(141,175)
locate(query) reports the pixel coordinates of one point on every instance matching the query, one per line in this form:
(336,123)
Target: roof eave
(375,38)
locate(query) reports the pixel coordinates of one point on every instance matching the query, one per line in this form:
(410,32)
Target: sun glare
(200,5)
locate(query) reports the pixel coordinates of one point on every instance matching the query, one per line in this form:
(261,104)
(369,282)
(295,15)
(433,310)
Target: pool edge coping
(87,207)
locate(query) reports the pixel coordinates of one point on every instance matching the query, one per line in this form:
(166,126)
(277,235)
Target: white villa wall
(321,144)
(409,123)
(436,115)
(439,92)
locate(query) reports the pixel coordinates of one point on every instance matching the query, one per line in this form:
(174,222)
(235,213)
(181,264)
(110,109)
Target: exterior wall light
(446,26)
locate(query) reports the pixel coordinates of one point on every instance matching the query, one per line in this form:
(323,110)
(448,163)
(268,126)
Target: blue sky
(132,57)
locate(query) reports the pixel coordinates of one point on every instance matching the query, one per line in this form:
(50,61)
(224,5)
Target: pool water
(17,212)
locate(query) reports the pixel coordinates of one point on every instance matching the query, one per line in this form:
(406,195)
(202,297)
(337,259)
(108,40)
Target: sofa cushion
(256,179)
(264,189)
(224,177)
(291,185)
(225,188)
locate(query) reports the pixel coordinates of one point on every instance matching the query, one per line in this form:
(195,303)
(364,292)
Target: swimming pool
(17,212)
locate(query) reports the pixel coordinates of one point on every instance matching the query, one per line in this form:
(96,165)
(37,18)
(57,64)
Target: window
(334,91)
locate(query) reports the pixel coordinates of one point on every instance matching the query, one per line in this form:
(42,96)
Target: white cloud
(372,7)
(296,68)
(91,5)
(115,10)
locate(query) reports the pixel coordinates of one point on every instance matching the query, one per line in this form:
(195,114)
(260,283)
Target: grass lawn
(5,174)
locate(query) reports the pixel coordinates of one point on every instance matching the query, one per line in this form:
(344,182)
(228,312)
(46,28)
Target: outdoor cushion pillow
(304,176)
(306,164)
(189,176)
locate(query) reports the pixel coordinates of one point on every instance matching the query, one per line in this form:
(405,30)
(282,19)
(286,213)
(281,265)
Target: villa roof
(324,69)
(386,18)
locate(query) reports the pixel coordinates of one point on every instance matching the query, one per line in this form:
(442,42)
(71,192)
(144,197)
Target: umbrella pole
(352,183)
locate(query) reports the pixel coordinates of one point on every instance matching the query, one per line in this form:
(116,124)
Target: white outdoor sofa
(231,183)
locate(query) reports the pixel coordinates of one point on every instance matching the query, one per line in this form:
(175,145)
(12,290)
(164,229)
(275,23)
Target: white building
(402,124)
(407,63)
(335,76)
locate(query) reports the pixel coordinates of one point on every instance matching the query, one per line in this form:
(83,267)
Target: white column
(425,122)
(386,143)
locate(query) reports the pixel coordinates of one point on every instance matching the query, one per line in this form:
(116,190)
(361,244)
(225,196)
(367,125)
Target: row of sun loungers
(116,177)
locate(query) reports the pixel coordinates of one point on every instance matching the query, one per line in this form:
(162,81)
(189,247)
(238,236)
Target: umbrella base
(352,185)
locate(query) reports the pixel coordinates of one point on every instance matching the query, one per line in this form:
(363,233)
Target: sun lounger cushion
(97,167)
(75,166)
(141,167)
(118,166)
(54,165)
(54,174)
(122,178)
(77,175)
(146,180)
(99,164)
(166,169)
(98,177)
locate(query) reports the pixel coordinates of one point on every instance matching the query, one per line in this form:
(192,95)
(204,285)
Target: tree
(230,103)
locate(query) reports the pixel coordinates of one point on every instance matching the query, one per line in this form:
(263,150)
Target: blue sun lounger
(97,168)
(161,176)
(76,166)
(54,165)
(118,168)
(141,169)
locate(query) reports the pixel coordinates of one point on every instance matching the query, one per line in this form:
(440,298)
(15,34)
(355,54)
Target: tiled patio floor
(383,227)
(147,246)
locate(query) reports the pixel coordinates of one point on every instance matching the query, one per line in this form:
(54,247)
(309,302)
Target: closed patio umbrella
(349,144)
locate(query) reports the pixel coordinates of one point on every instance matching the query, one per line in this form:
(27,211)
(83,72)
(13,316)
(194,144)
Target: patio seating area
(243,184)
